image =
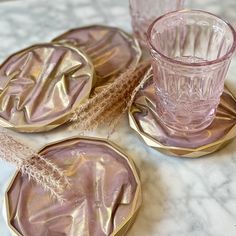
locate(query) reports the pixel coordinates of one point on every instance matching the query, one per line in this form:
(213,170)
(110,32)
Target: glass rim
(207,63)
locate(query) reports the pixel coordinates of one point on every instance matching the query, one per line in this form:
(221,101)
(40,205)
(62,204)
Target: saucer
(144,120)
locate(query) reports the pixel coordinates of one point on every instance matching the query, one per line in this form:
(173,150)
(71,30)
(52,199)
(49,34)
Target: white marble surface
(182,197)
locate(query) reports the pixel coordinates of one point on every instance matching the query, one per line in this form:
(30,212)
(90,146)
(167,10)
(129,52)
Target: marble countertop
(181,197)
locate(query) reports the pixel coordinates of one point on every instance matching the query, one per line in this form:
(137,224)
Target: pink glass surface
(144,12)
(191,53)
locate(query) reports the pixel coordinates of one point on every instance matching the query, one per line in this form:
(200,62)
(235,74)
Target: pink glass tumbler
(191,52)
(144,12)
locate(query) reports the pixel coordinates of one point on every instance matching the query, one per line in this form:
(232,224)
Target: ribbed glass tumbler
(144,12)
(191,53)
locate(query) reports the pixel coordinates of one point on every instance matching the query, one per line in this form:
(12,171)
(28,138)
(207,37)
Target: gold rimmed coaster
(144,120)
(41,85)
(104,197)
(111,50)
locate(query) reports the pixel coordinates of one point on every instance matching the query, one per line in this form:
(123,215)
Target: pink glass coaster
(143,118)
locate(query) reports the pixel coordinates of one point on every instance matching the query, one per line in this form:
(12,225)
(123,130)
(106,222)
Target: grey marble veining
(182,197)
